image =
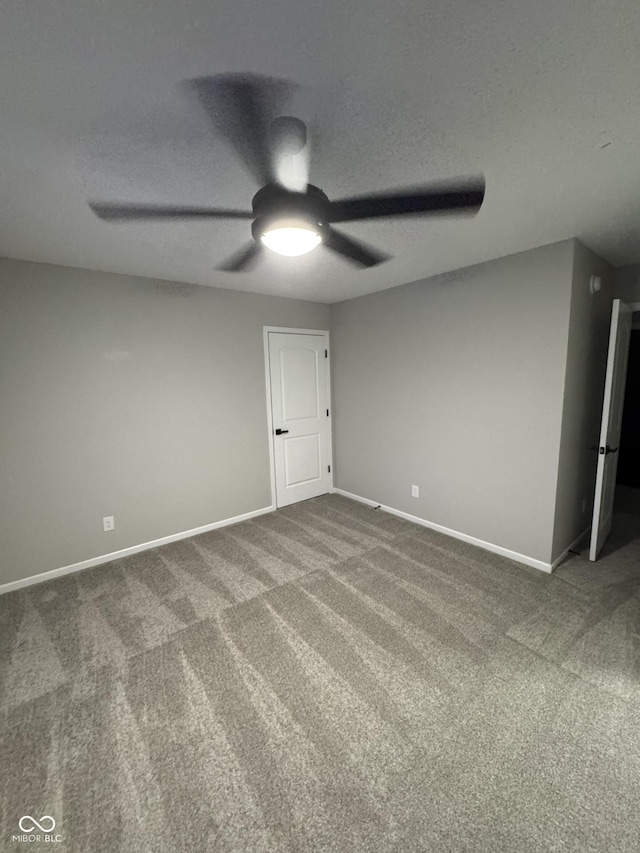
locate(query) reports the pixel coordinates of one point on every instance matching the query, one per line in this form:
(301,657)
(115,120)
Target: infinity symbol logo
(36,824)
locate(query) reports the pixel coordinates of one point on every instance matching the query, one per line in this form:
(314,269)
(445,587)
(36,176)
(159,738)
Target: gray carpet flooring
(327,678)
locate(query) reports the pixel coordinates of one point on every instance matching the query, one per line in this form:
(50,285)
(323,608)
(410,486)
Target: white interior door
(619,338)
(300,415)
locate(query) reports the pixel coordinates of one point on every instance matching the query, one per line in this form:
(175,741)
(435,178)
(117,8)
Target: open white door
(619,338)
(300,415)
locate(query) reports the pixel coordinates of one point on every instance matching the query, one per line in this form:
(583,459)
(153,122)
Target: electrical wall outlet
(108,523)
(415,491)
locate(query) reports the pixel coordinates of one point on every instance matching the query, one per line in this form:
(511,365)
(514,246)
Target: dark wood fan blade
(354,250)
(124,212)
(242,108)
(463,198)
(243,259)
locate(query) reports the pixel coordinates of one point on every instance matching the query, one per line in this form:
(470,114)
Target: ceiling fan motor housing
(274,204)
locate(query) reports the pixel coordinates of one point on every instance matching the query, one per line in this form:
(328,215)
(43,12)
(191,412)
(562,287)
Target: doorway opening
(628,473)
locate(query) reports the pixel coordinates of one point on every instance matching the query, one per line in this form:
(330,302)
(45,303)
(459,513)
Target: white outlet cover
(415,491)
(108,523)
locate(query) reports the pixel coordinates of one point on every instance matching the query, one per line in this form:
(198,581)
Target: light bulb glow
(291,238)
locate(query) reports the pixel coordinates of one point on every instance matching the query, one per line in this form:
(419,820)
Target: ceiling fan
(246,109)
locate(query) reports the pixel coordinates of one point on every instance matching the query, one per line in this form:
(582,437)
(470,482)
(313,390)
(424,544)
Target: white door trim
(283,330)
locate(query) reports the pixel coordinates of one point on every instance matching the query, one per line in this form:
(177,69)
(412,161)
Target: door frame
(285,330)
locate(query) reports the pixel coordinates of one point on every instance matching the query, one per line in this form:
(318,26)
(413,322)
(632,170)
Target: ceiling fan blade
(243,259)
(353,250)
(462,198)
(242,108)
(123,212)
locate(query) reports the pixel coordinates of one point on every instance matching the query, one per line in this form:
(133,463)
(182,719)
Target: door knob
(281,431)
(605,451)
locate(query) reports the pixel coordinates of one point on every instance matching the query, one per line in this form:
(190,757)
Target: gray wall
(456,384)
(128,397)
(587,345)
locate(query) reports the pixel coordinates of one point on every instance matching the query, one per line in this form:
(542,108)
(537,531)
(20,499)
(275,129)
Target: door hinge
(326,353)
(329,468)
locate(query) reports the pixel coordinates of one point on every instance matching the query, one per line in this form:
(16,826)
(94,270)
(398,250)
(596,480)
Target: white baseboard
(455,534)
(126,552)
(571,547)
(225,522)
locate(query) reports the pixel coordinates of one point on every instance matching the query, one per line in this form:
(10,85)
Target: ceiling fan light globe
(291,238)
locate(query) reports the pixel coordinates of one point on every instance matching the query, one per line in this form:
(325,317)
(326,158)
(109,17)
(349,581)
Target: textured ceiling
(542,97)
